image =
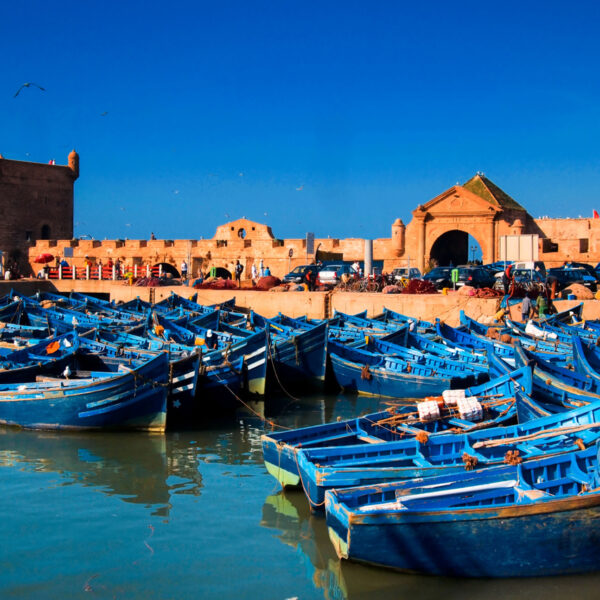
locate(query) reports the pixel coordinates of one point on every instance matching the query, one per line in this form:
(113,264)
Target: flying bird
(29,84)
(299,189)
(104,113)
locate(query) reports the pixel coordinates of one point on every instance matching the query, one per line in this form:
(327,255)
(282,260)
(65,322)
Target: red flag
(596,215)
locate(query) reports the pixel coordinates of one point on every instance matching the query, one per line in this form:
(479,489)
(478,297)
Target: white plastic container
(451,397)
(428,410)
(470,409)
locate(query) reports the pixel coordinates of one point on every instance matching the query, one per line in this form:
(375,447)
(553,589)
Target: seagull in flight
(104,113)
(29,84)
(299,189)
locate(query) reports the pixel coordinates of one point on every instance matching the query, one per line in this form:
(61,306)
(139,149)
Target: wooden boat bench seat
(530,494)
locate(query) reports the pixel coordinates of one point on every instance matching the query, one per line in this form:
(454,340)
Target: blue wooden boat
(326,468)
(399,422)
(568,316)
(469,339)
(218,390)
(297,357)
(412,355)
(477,327)
(127,399)
(48,357)
(9,332)
(74,319)
(364,323)
(415,324)
(184,366)
(558,385)
(254,349)
(439,347)
(379,375)
(527,520)
(543,331)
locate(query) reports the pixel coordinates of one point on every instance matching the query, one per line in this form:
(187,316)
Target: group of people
(529,308)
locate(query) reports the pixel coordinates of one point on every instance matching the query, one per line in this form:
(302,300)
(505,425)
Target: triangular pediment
(458,201)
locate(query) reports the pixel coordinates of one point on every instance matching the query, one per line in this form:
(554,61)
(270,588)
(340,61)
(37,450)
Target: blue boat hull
(131,400)
(300,360)
(392,384)
(557,538)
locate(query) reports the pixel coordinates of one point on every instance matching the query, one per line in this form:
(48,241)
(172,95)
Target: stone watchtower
(36,200)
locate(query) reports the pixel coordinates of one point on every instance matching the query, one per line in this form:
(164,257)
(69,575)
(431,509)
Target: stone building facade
(37,204)
(438,233)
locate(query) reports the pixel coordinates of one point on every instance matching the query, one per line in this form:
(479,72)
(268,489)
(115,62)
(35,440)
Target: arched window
(45,235)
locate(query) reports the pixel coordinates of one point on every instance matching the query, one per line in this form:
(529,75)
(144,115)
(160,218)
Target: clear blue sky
(332,117)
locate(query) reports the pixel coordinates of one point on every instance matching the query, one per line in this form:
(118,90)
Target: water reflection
(289,515)
(137,468)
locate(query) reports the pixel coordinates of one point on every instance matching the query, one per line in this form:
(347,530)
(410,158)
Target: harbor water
(192,514)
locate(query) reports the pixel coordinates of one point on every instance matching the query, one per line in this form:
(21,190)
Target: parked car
(405,273)
(498,266)
(440,277)
(566,277)
(297,275)
(526,277)
(477,277)
(579,265)
(332,274)
(531,265)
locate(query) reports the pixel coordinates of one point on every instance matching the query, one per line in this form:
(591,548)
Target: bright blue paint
(357,105)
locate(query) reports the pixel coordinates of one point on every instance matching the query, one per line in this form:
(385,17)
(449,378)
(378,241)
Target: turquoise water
(190,515)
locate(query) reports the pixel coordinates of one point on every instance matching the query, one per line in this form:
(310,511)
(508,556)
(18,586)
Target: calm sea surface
(191,514)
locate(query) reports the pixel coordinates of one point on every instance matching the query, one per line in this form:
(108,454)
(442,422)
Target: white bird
(67,372)
(29,84)
(299,189)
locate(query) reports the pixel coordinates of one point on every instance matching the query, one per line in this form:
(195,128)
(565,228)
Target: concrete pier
(316,305)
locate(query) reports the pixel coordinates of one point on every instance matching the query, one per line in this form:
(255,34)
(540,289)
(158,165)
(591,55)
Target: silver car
(405,273)
(332,274)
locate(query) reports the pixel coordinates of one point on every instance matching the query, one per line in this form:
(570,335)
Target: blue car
(566,277)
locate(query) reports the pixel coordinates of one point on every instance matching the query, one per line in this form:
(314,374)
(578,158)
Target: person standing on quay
(238,273)
(184,270)
(254,274)
(526,308)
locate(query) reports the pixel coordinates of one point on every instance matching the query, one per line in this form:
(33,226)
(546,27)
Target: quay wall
(316,305)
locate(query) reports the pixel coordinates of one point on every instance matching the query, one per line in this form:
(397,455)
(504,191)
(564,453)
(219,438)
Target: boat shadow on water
(289,515)
(134,467)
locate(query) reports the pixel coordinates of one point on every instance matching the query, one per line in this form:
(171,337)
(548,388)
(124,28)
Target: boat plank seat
(369,439)
(530,493)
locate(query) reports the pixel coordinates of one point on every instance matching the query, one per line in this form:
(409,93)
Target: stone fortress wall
(37,202)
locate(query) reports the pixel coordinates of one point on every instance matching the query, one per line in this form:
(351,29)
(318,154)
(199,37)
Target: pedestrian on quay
(526,307)
(267,272)
(184,270)
(254,274)
(238,273)
(507,278)
(309,276)
(541,305)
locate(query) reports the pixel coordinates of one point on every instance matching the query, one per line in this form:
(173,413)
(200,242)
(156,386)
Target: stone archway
(450,248)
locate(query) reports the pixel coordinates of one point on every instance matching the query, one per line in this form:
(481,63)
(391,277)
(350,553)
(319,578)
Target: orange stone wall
(35,199)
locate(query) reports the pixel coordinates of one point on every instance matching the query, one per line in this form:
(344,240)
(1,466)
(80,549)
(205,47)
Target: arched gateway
(440,228)
(451,248)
